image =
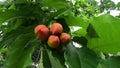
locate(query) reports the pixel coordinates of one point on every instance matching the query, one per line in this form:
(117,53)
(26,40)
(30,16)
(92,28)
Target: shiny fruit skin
(56,29)
(53,41)
(42,32)
(65,38)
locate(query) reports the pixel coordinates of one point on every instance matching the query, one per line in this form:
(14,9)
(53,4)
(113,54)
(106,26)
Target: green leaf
(56,59)
(89,58)
(57,14)
(108,30)
(75,21)
(6,15)
(40,65)
(54,4)
(106,1)
(80,40)
(93,2)
(21,1)
(19,53)
(80,57)
(72,57)
(80,32)
(46,60)
(34,13)
(111,62)
(91,32)
(9,37)
(13,25)
(118,5)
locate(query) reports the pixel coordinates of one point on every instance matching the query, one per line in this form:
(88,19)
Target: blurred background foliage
(95,34)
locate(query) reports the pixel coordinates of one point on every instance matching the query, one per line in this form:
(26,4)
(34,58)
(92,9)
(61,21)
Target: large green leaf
(80,57)
(89,58)
(19,53)
(111,62)
(56,59)
(72,57)
(108,29)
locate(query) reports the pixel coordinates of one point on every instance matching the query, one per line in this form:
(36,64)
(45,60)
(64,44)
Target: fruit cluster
(54,36)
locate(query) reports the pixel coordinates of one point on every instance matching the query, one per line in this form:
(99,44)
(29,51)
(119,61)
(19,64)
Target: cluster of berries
(53,35)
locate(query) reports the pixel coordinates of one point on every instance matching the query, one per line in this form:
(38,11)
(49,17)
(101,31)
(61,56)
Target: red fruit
(53,41)
(65,38)
(42,32)
(56,29)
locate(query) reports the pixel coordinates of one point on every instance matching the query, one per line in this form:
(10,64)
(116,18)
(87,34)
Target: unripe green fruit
(65,38)
(42,32)
(56,29)
(53,41)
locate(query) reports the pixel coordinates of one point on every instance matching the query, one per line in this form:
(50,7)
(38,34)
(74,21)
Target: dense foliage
(95,44)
